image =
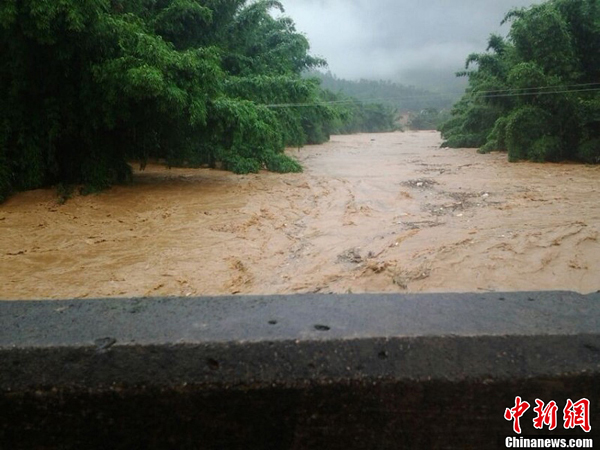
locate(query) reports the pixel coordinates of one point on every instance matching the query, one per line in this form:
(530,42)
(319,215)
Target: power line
(299,105)
(498,93)
(538,87)
(522,94)
(490,91)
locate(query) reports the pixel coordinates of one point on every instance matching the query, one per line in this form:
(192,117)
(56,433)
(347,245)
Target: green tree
(427,119)
(400,97)
(89,85)
(536,93)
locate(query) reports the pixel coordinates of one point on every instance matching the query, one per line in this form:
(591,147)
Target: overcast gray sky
(420,42)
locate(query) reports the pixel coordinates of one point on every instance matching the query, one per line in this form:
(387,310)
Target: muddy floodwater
(371,213)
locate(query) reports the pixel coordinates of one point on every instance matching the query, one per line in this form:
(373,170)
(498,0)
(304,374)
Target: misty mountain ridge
(402,97)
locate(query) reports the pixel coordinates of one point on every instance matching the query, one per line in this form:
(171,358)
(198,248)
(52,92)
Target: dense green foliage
(400,97)
(536,94)
(88,85)
(354,116)
(428,119)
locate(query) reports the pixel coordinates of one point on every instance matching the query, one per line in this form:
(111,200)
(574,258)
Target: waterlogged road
(371,213)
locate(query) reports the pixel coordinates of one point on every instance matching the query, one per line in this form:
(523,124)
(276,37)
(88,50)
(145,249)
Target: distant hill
(403,98)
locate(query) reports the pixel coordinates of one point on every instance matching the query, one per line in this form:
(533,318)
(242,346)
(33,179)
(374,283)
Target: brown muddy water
(371,213)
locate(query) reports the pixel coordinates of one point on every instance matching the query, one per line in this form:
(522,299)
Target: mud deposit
(371,213)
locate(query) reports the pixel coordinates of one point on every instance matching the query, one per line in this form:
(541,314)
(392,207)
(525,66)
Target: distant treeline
(89,85)
(403,98)
(354,116)
(428,119)
(536,93)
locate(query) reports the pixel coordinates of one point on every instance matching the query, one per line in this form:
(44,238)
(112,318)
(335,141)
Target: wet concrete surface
(306,371)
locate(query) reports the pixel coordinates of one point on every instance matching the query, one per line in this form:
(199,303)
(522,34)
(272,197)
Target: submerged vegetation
(535,94)
(88,85)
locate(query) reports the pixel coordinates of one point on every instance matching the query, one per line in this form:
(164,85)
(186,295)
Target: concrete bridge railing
(293,372)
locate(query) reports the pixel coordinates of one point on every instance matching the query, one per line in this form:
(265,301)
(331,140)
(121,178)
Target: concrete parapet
(307,371)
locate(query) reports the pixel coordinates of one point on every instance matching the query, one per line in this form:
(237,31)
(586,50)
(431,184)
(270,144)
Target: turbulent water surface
(371,213)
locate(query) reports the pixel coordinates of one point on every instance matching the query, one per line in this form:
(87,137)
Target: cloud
(393,39)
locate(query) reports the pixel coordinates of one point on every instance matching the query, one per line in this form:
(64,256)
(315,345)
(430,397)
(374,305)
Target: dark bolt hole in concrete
(383,355)
(213,364)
